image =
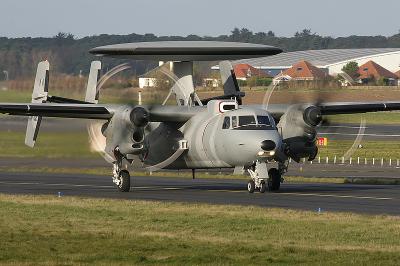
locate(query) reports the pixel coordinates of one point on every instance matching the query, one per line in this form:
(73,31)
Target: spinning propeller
(138,118)
(302,120)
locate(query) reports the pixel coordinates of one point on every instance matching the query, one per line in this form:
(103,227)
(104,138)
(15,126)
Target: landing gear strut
(121,178)
(263,179)
(258,173)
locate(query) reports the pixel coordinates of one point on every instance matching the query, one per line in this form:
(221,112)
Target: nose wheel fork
(123,181)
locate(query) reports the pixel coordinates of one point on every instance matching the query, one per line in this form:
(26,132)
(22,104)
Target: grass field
(49,145)
(371,149)
(69,231)
(382,118)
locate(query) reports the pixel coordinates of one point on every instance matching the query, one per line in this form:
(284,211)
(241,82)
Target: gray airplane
(195,134)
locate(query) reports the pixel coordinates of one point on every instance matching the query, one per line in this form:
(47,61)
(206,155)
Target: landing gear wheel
(251,186)
(263,187)
(274,180)
(124,181)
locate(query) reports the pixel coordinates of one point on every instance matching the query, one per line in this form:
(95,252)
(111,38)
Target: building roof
(372,69)
(246,71)
(397,74)
(319,58)
(304,70)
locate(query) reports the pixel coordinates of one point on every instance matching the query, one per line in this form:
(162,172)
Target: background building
(329,60)
(147,82)
(245,71)
(301,71)
(372,71)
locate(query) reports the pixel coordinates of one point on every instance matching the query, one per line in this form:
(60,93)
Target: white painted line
(52,185)
(334,196)
(374,176)
(352,127)
(88,186)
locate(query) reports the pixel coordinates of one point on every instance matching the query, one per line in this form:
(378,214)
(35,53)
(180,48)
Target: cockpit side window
(227,122)
(234,121)
(263,120)
(246,120)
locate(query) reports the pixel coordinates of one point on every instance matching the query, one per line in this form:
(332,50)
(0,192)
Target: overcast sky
(23,18)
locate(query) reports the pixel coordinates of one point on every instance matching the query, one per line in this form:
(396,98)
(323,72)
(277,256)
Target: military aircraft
(219,132)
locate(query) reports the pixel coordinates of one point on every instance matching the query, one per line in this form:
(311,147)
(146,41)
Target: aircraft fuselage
(220,140)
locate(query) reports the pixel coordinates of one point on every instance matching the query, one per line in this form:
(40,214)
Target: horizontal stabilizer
(224,97)
(57,99)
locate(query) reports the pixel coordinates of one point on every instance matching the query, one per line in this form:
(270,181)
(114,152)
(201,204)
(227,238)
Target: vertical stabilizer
(229,81)
(92,94)
(39,95)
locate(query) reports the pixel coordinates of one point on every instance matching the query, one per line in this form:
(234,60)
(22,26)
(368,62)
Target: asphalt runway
(370,199)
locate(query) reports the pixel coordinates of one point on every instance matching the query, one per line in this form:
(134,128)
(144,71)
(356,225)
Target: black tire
(263,187)
(125,184)
(274,179)
(251,186)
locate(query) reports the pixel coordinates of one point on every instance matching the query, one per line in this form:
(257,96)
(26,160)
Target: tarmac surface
(371,199)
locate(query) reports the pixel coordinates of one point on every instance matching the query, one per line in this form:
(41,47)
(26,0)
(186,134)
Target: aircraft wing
(335,108)
(157,113)
(358,107)
(171,113)
(85,111)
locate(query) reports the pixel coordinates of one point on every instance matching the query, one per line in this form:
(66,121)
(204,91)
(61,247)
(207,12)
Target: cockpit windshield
(250,122)
(246,120)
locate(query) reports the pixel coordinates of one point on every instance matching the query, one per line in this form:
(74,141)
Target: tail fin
(39,95)
(229,81)
(92,94)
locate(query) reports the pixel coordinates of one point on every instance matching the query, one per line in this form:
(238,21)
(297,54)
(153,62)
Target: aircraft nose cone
(268,145)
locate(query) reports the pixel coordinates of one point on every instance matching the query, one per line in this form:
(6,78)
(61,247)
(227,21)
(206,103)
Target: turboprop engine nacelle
(297,127)
(125,130)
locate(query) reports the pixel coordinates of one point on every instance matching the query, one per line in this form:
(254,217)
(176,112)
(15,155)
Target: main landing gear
(121,178)
(263,179)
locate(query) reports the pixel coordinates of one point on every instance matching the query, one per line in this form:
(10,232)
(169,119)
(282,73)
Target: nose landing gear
(121,178)
(123,181)
(274,179)
(262,179)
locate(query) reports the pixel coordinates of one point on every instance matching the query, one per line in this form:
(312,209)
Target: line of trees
(69,55)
